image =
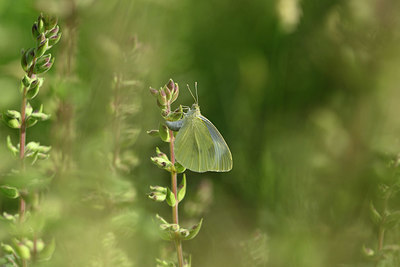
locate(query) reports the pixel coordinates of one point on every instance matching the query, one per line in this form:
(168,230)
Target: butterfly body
(198,145)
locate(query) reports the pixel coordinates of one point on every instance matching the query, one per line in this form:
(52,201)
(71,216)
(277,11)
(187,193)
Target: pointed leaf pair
(10,191)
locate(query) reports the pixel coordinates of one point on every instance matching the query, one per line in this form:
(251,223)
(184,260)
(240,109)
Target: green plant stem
(22,135)
(22,141)
(175,214)
(117,126)
(381,235)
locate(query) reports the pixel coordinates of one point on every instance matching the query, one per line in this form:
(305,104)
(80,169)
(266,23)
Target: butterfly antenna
(191,92)
(197,96)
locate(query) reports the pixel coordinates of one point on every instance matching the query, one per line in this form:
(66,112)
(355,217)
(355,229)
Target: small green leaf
(11,147)
(392,219)
(170,198)
(368,251)
(153,133)
(164,133)
(10,218)
(182,189)
(26,81)
(167,230)
(158,193)
(9,191)
(30,122)
(12,123)
(28,109)
(163,263)
(40,23)
(162,161)
(194,231)
(40,116)
(33,89)
(175,115)
(13,114)
(22,251)
(7,248)
(39,245)
(375,216)
(179,168)
(27,59)
(48,251)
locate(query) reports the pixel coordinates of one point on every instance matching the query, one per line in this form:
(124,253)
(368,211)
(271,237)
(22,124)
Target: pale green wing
(223,156)
(200,147)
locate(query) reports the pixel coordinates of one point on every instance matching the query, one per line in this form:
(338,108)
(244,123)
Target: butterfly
(199,146)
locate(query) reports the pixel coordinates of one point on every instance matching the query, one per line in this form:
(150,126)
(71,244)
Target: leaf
(194,231)
(167,230)
(13,114)
(28,109)
(170,198)
(179,168)
(12,123)
(22,251)
(164,133)
(48,251)
(153,133)
(392,219)
(158,193)
(30,122)
(40,116)
(11,147)
(375,216)
(7,248)
(9,191)
(182,189)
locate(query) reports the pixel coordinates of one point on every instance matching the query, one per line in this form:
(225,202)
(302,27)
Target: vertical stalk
(174,185)
(22,142)
(116,122)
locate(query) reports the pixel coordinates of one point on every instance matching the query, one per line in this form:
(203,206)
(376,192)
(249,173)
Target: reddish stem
(174,184)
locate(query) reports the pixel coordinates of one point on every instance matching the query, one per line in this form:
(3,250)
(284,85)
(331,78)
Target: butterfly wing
(200,147)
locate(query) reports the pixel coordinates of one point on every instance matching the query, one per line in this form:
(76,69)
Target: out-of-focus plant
(385,219)
(25,245)
(119,194)
(171,231)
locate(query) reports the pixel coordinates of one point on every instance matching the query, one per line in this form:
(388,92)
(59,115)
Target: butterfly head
(194,110)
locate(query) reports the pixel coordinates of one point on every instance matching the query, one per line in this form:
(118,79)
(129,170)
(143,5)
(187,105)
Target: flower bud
(49,22)
(175,93)
(33,89)
(53,32)
(40,39)
(40,24)
(27,59)
(54,39)
(35,31)
(43,59)
(162,163)
(161,154)
(153,91)
(26,81)
(170,84)
(162,98)
(168,93)
(38,69)
(158,193)
(42,48)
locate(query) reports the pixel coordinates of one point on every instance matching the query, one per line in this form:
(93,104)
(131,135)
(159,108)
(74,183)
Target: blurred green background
(305,92)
